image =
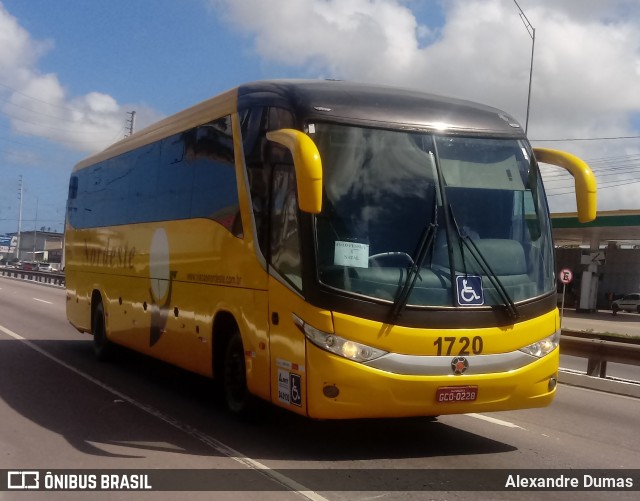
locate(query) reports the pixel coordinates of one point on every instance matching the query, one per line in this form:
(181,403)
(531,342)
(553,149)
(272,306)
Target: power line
(81,128)
(66,108)
(604,172)
(37,112)
(608,159)
(583,139)
(83,124)
(600,187)
(610,172)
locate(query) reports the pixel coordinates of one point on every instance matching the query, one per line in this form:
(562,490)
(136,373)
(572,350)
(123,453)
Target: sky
(71,71)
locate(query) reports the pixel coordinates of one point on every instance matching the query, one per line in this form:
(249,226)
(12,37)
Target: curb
(608,385)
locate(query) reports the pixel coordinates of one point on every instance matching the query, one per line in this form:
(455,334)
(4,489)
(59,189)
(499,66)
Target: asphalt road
(61,409)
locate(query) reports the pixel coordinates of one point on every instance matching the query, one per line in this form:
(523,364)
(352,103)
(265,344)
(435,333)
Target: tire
(614,309)
(102,347)
(234,377)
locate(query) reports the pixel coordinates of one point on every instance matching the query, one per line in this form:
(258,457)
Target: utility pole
(130,122)
(20,192)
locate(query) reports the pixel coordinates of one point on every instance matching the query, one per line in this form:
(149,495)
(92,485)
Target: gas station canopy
(621,226)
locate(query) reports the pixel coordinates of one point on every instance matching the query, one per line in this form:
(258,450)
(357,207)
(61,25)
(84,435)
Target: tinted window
(260,154)
(188,175)
(285,239)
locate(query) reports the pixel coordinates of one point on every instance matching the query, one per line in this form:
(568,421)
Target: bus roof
(377,104)
(333,100)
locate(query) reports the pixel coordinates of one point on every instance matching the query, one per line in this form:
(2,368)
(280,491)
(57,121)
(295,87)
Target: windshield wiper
(486,267)
(426,242)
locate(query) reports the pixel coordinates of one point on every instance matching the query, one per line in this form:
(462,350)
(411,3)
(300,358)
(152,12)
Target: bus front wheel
(234,380)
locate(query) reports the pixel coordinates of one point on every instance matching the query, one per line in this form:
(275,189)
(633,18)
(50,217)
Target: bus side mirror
(308,166)
(585,181)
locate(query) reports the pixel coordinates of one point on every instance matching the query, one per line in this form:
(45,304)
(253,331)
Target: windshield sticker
(351,254)
(470,291)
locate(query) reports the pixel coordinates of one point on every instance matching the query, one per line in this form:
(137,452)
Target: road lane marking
(215,444)
(494,420)
(42,300)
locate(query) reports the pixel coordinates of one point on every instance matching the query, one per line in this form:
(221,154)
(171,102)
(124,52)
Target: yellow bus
(337,249)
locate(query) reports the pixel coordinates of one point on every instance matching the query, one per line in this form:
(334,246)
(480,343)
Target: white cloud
(586,72)
(17,50)
(330,36)
(37,104)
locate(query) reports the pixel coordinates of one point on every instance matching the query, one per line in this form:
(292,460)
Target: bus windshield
(468,214)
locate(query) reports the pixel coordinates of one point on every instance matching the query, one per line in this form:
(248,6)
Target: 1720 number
(459,345)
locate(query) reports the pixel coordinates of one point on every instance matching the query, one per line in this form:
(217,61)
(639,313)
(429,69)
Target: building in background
(41,246)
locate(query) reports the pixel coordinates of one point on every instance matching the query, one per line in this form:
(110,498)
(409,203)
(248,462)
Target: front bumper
(366,392)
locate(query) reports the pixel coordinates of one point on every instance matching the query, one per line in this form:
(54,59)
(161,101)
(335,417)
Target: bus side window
(259,156)
(285,239)
(73,188)
(254,126)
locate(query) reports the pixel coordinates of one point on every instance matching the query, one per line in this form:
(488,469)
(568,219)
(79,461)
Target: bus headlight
(544,346)
(351,350)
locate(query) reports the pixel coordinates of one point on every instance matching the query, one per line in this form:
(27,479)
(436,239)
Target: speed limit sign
(566,276)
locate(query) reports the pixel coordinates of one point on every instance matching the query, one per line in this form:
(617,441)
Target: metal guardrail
(600,349)
(43,277)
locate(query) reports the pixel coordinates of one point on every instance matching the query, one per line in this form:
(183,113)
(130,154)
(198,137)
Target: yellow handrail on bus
(585,181)
(308,166)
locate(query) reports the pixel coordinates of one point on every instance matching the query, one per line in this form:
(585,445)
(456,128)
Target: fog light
(331,391)
(553,382)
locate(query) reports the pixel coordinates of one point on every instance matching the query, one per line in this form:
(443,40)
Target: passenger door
(287,343)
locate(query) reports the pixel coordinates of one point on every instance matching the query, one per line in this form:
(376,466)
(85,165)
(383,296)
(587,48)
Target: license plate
(453,394)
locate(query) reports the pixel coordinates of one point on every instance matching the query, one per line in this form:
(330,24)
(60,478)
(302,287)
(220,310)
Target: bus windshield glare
(468,214)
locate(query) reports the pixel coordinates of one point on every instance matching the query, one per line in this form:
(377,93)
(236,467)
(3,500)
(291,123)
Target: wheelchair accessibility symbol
(296,389)
(470,291)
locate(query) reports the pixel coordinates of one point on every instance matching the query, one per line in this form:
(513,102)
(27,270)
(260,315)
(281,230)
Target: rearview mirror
(585,181)
(307,164)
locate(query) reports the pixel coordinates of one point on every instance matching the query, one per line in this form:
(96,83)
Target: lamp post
(532,33)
